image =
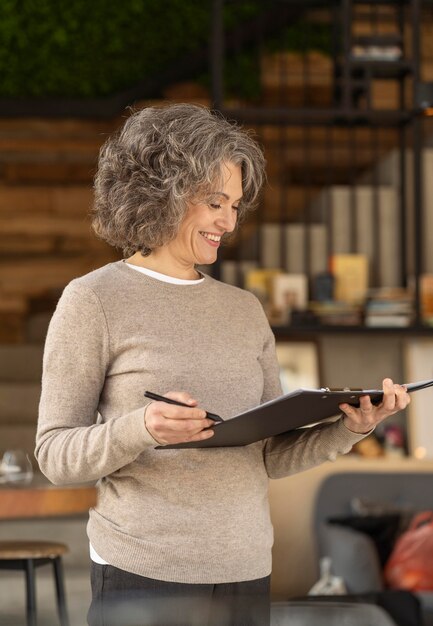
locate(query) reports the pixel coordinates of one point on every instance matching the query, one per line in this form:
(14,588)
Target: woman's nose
(227,219)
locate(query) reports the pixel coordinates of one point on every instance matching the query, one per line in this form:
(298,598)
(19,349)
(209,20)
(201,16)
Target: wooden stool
(27,556)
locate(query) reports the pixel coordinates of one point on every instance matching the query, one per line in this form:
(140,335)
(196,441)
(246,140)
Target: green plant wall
(93,48)
(84,49)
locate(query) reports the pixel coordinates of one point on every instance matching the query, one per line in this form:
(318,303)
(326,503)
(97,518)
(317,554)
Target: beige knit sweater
(194,515)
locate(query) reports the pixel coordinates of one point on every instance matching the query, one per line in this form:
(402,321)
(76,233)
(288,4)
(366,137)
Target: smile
(213,240)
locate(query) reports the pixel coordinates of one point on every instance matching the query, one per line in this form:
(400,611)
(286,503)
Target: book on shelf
(333,313)
(354,215)
(389,253)
(389,308)
(318,248)
(377,210)
(259,282)
(350,273)
(323,287)
(229,272)
(371,52)
(392,320)
(295,248)
(289,292)
(270,240)
(285,245)
(426,298)
(297,238)
(339,199)
(235,272)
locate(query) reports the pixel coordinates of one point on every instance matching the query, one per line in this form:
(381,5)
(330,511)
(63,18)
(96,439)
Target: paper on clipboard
(301,407)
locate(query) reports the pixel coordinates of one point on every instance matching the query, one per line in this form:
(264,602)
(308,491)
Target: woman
(177,536)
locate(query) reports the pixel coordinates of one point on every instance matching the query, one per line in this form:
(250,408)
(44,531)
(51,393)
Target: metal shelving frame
(407,119)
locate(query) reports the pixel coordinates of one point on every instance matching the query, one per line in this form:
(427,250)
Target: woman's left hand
(365,417)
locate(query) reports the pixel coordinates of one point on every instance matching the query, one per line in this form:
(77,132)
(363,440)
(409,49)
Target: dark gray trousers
(123,599)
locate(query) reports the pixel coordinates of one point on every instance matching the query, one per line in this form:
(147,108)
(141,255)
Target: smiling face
(206,221)
(199,236)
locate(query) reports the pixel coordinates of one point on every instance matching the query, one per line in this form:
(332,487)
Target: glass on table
(16,468)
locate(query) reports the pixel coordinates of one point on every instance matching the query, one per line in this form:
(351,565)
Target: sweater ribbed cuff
(348,436)
(133,432)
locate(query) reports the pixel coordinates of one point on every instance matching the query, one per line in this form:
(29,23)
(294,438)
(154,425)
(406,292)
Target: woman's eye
(219,206)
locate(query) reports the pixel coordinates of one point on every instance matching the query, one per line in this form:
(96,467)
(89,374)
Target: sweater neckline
(165,278)
(140,277)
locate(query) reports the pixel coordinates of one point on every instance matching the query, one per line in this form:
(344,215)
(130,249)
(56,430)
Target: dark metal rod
(417,161)
(376,270)
(353,196)
(216,64)
(307,195)
(346,73)
(402,191)
(402,161)
(329,180)
(217,54)
(283,207)
(418,212)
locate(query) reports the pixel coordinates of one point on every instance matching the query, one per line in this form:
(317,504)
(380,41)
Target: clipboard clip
(347,389)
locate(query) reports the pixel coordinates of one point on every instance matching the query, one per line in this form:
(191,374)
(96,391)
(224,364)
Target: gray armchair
(353,553)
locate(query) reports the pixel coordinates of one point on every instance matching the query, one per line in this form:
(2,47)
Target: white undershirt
(166,279)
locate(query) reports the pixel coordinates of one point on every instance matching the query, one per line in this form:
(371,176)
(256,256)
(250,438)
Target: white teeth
(211,237)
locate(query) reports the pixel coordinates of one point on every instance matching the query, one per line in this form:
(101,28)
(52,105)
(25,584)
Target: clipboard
(298,408)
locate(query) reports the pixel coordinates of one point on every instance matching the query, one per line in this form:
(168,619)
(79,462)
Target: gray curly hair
(161,160)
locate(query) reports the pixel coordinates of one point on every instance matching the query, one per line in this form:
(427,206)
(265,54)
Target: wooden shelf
(379,68)
(313,117)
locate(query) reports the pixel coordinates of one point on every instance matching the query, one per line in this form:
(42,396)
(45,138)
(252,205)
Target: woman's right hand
(170,423)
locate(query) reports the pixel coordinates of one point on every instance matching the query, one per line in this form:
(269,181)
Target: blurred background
(340,250)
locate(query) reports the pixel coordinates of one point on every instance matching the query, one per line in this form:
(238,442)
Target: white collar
(163,277)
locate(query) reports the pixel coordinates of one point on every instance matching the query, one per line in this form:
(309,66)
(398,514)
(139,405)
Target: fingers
(388,402)
(181,396)
(169,423)
(360,420)
(365,407)
(173,412)
(395,398)
(402,397)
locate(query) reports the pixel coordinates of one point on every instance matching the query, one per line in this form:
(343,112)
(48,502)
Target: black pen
(158,398)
